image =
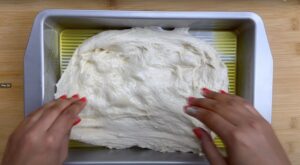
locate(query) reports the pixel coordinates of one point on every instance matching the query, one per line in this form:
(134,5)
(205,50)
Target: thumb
(208,147)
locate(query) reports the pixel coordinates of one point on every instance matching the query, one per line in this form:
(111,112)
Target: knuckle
(198,101)
(61,104)
(79,104)
(213,94)
(206,115)
(219,96)
(254,124)
(218,107)
(70,114)
(240,137)
(30,138)
(231,102)
(237,135)
(246,103)
(50,142)
(214,106)
(258,125)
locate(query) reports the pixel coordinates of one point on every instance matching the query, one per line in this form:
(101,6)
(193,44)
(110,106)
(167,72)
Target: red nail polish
(75,96)
(205,91)
(223,92)
(77,121)
(190,99)
(63,97)
(198,132)
(83,99)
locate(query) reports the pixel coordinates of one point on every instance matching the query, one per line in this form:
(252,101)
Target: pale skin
(42,138)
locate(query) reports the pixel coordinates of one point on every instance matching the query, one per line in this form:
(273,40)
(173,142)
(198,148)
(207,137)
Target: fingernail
(205,91)
(190,110)
(223,92)
(63,97)
(77,121)
(190,99)
(75,96)
(198,132)
(83,99)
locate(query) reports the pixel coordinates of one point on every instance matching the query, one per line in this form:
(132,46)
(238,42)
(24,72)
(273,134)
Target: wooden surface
(282,21)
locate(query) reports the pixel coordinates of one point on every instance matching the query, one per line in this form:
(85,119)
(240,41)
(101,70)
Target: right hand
(248,137)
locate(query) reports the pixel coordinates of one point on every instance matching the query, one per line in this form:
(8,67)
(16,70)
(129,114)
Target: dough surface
(136,82)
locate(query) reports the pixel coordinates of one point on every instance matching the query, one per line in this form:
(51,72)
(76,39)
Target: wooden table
(282,21)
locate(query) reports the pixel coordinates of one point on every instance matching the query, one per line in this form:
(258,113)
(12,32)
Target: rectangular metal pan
(42,65)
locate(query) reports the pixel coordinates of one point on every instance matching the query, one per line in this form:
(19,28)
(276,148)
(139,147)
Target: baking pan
(247,52)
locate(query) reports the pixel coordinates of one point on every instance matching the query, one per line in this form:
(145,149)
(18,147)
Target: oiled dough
(136,82)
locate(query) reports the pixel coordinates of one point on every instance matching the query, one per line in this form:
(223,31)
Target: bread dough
(136,82)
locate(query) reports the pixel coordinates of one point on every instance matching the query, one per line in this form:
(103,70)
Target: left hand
(42,138)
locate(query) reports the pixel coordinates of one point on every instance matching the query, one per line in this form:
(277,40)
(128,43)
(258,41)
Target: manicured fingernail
(223,92)
(77,121)
(63,97)
(83,99)
(205,91)
(190,99)
(198,132)
(76,96)
(190,110)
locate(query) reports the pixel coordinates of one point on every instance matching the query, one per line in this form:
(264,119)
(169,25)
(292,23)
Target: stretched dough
(136,82)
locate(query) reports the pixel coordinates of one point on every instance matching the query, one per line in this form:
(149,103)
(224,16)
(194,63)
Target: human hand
(248,137)
(43,136)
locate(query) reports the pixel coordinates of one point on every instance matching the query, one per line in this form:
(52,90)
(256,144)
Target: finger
(33,117)
(51,113)
(228,113)
(243,103)
(214,95)
(30,120)
(221,96)
(252,110)
(208,147)
(212,120)
(67,119)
